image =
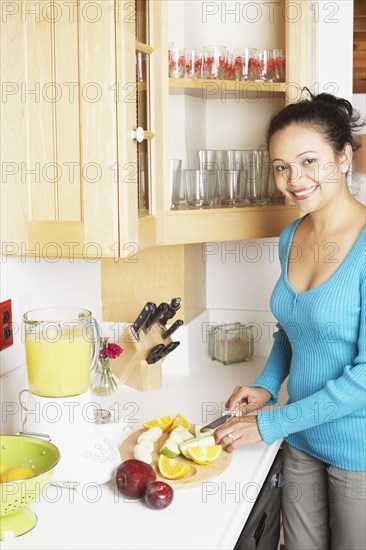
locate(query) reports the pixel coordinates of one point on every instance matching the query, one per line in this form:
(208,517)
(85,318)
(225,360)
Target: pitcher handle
(96,343)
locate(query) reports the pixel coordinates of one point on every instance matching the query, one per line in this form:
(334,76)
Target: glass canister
(61,346)
(231,343)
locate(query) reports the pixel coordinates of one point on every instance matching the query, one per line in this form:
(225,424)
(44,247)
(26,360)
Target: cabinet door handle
(138,134)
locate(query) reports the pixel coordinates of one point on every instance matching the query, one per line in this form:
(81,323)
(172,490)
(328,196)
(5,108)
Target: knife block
(131,367)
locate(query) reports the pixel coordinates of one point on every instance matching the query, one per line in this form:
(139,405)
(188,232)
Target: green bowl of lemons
(26,466)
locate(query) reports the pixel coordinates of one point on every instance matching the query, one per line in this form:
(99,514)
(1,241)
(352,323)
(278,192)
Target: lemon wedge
(204,455)
(16,473)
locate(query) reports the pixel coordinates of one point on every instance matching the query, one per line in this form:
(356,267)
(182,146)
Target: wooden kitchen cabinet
(70,163)
(222,224)
(71,171)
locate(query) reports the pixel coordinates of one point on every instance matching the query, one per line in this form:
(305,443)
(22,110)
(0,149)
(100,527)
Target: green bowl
(30,452)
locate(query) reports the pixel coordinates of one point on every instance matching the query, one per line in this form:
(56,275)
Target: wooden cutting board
(197,474)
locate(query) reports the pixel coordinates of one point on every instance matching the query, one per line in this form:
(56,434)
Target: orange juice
(58,368)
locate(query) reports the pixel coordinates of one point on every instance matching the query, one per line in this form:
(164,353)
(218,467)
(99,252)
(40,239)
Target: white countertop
(207,517)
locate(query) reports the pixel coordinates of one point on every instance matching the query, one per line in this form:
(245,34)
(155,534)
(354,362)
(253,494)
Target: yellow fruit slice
(179,420)
(3,468)
(164,422)
(204,455)
(16,473)
(172,469)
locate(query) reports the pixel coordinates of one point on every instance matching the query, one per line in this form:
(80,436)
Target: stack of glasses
(219,179)
(216,62)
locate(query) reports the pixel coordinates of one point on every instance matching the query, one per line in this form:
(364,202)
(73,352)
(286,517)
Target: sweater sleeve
(338,398)
(277,366)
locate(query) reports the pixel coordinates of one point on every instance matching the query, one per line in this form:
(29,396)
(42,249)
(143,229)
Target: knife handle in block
(135,351)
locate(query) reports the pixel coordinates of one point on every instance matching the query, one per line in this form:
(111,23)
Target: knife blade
(172,310)
(155,354)
(172,329)
(169,348)
(154,317)
(218,422)
(142,318)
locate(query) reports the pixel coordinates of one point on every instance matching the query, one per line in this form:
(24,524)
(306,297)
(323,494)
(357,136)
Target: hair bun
(342,105)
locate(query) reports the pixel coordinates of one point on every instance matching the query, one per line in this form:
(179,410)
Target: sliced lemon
(179,420)
(16,473)
(204,455)
(3,468)
(172,469)
(164,422)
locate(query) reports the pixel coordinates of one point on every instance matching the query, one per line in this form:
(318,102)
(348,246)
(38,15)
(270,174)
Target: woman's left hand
(240,430)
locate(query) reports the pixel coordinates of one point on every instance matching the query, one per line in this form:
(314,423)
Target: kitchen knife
(155,354)
(172,329)
(154,317)
(226,416)
(142,318)
(172,310)
(169,348)
(218,422)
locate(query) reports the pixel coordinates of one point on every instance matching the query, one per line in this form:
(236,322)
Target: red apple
(133,476)
(159,495)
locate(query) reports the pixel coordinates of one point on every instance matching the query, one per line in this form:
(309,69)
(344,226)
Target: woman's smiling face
(306,168)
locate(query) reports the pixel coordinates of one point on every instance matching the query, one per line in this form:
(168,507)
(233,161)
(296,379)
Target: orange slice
(164,422)
(204,455)
(172,469)
(179,420)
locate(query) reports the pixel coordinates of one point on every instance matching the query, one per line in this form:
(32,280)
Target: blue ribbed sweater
(320,345)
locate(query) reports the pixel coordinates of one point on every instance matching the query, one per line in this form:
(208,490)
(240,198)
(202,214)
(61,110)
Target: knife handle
(143,317)
(154,317)
(155,354)
(172,310)
(172,329)
(169,348)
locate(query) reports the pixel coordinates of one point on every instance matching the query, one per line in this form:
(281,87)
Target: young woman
(320,345)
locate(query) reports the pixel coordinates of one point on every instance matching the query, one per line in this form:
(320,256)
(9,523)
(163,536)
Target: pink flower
(112,351)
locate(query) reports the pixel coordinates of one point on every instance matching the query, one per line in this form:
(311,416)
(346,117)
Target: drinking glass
(170,46)
(203,159)
(279,65)
(177,187)
(245,64)
(214,62)
(194,64)
(201,187)
(229,66)
(177,63)
(266,65)
(256,169)
(231,188)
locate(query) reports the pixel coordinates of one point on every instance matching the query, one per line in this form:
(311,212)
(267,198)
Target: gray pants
(323,507)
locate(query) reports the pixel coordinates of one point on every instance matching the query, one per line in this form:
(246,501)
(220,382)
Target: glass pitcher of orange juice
(61,345)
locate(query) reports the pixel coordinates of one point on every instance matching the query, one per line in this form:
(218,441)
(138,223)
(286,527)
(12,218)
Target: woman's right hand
(247,399)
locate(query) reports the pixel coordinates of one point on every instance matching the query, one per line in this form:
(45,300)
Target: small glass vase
(103,381)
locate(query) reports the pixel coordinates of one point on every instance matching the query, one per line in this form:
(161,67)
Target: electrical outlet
(6,325)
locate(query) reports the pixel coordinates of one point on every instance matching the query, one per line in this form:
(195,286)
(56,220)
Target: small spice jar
(231,343)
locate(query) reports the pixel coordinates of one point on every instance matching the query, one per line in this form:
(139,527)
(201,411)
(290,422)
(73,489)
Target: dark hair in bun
(334,117)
